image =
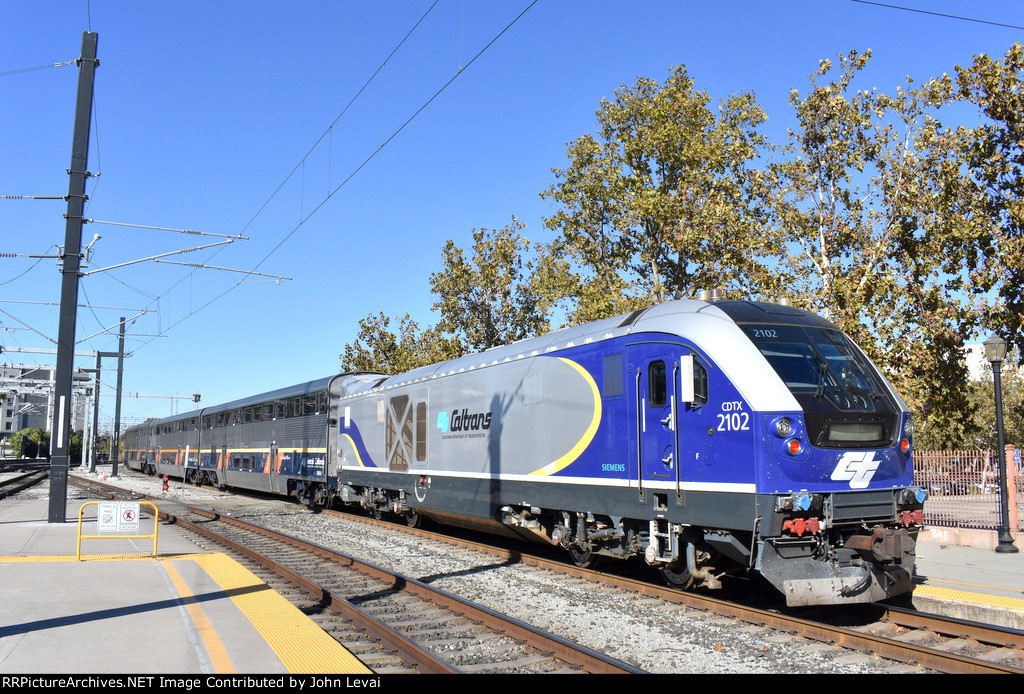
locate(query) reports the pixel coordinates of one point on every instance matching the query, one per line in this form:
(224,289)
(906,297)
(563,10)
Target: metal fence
(963,488)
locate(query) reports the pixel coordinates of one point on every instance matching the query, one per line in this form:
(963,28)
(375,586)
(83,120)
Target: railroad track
(403,625)
(16,464)
(13,485)
(925,641)
(930,641)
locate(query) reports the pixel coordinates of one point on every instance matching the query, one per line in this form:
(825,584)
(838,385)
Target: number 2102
(736,421)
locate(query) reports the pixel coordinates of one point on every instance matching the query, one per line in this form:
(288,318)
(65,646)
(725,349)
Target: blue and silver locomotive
(704,438)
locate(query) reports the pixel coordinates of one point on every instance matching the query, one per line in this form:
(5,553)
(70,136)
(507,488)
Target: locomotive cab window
(700,384)
(657,385)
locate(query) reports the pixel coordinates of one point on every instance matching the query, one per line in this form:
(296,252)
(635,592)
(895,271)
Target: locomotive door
(655,391)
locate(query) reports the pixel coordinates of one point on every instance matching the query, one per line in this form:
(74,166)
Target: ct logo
(856,468)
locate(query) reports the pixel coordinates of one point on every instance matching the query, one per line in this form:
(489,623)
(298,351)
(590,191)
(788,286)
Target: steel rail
(923,656)
(23,481)
(587,659)
(1003,637)
(930,658)
(574,654)
(424,660)
(427,661)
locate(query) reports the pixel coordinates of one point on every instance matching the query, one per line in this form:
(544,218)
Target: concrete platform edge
(964,537)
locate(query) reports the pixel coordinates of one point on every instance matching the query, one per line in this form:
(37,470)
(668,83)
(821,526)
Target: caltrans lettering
(469,421)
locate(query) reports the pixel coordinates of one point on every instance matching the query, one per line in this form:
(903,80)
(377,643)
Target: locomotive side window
(613,375)
(657,386)
(700,384)
(421,431)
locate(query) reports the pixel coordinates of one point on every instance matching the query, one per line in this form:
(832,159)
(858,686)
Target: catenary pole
(117,408)
(62,420)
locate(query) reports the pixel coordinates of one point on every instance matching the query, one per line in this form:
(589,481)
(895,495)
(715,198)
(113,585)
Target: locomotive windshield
(843,397)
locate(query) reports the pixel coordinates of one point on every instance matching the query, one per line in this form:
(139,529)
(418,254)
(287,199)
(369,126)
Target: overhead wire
(288,177)
(37,67)
(937,14)
(356,170)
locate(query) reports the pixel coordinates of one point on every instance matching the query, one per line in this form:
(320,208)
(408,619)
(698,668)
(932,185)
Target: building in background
(26,398)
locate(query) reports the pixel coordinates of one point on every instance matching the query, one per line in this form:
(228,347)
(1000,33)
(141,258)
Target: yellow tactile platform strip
(302,646)
(1001,601)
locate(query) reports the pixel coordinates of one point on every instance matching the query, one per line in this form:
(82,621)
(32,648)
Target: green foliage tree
(663,200)
(377,348)
(892,230)
(993,153)
(33,442)
(490,297)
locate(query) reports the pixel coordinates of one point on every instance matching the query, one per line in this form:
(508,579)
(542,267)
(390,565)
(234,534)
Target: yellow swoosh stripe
(588,435)
(354,448)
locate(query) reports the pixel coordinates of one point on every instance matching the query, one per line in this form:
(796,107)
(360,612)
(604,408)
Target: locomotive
(706,438)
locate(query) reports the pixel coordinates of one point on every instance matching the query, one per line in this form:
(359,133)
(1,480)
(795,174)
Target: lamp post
(995,351)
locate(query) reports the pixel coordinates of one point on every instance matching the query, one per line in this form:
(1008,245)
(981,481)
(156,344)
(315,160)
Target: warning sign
(118,517)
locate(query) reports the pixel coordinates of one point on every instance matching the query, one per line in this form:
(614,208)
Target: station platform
(975,583)
(110,606)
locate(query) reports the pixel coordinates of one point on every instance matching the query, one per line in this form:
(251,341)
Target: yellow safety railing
(156,527)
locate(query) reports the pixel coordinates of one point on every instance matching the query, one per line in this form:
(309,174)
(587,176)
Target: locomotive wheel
(584,558)
(413,519)
(678,577)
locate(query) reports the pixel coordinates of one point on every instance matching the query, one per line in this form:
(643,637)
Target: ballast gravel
(644,632)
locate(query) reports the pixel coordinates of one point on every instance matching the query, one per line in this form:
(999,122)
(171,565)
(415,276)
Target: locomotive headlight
(783,427)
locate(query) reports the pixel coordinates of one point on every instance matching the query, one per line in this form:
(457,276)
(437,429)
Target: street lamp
(995,351)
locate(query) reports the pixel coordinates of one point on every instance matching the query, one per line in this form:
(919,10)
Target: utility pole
(117,407)
(95,417)
(70,268)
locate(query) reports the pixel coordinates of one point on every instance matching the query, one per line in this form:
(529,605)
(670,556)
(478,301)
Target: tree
(982,393)
(378,349)
(33,442)
(492,297)
(664,199)
(994,157)
(889,233)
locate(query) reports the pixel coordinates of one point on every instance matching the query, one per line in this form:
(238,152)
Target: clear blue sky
(203,109)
